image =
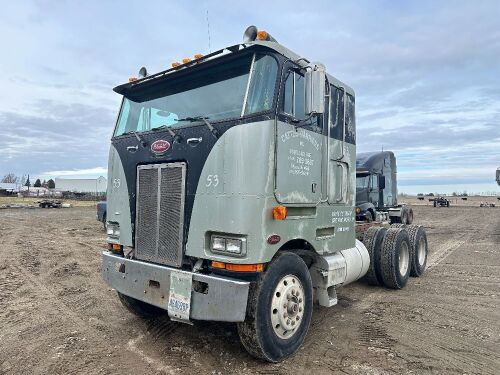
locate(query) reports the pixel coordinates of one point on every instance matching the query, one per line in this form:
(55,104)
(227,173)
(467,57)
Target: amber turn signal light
(279,213)
(259,267)
(114,247)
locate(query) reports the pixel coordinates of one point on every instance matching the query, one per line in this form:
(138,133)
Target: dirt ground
(58,317)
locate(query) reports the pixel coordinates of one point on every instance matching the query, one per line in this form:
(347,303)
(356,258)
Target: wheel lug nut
(288,321)
(300,309)
(288,296)
(300,300)
(284,315)
(293,322)
(297,294)
(298,317)
(293,292)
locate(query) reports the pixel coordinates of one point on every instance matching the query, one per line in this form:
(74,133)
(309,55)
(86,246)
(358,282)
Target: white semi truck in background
(231,196)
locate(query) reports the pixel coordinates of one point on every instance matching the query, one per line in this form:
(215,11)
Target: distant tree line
(11,178)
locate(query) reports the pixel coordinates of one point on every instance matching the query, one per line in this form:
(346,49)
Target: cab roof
(128,87)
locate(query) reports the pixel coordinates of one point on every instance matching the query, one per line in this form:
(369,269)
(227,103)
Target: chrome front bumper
(185,295)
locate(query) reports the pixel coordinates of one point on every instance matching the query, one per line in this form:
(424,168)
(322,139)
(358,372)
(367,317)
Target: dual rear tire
(395,254)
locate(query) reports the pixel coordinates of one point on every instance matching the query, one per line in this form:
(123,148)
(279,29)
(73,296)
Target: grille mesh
(147,203)
(170,218)
(160,218)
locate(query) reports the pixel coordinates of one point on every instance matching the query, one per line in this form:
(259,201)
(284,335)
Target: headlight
(233,246)
(113,230)
(228,245)
(218,244)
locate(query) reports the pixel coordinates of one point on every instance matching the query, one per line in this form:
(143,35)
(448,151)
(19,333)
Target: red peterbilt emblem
(160,146)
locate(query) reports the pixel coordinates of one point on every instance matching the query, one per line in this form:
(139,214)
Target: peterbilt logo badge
(160,146)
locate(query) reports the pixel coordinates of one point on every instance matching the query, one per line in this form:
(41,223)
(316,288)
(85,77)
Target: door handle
(194,141)
(132,149)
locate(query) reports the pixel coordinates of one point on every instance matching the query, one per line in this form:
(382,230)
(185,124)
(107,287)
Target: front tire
(139,308)
(279,310)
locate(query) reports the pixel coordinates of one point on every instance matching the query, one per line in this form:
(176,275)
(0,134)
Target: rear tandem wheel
(395,257)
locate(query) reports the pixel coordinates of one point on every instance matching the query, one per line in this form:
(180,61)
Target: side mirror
(315,81)
(381,182)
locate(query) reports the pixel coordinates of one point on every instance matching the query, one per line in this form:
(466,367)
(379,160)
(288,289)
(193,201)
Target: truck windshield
(217,93)
(362,182)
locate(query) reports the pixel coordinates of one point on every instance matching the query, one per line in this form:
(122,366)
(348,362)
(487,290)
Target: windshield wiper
(205,120)
(176,137)
(141,141)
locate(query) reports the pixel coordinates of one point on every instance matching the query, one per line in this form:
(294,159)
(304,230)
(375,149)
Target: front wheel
(279,310)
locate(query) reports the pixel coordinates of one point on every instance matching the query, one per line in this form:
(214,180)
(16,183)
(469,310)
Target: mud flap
(179,300)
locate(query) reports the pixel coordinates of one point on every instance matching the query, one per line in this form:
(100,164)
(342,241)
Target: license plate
(179,300)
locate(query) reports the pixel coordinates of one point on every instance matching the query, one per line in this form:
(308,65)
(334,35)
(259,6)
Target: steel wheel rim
(404,257)
(421,252)
(287,306)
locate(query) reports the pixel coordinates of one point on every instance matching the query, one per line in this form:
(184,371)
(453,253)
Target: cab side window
(350,121)
(339,129)
(293,96)
(336,112)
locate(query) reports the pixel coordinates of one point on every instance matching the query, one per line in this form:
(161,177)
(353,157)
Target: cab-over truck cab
(231,193)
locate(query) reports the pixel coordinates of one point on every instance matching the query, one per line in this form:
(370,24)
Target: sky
(426,76)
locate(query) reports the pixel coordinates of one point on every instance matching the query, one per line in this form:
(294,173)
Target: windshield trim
(207,65)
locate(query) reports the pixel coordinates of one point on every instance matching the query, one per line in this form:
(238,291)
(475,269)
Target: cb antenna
(208,31)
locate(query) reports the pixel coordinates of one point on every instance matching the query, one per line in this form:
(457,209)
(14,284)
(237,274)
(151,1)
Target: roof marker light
(186,60)
(198,56)
(262,35)
(175,64)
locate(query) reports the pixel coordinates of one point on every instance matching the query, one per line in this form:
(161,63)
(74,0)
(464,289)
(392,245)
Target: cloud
(424,74)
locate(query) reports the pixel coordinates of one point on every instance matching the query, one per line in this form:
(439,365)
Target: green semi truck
(231,196)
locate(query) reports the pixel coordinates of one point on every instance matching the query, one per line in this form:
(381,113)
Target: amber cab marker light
(279,213)
(132,79)
(198,56)
(175,64)
(262,35)
(186,60)
(245,267)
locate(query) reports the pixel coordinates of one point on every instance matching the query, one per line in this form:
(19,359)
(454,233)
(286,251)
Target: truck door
(341,135)
(299,145)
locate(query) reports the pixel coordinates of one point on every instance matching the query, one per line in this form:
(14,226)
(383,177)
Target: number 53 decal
(212,180)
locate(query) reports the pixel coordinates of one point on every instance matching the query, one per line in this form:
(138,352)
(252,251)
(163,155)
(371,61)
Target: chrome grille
(160,213)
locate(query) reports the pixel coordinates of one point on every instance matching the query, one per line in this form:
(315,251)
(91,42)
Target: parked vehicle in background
(101,214)
(440,202)
(498,175)
(50,203)
(377,189)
